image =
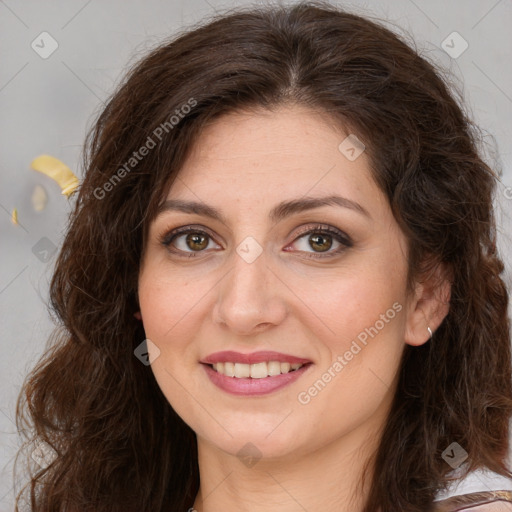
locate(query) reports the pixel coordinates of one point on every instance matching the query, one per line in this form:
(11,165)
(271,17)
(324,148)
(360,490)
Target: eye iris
(317,239)
(196,238)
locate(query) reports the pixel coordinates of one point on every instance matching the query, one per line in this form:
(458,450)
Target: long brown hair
(119,444)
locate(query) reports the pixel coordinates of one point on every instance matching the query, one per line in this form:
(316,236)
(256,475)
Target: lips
(253,374)
(253,358)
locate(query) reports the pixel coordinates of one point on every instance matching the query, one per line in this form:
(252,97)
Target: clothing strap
(475,499)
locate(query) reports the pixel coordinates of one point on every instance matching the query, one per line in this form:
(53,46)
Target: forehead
(265,155)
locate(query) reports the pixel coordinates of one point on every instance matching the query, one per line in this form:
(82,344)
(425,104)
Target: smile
(255,371)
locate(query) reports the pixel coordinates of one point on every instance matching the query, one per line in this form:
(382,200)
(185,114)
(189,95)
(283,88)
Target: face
(254,268)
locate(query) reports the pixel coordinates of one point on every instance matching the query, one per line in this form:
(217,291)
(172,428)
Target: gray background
(48,104)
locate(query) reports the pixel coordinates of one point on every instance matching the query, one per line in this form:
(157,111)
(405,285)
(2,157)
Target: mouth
(258,373)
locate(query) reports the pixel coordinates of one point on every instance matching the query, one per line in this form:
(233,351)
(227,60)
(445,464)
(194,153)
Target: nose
(250,298)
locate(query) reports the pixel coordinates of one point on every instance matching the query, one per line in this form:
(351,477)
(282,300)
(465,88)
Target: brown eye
(321,242)
(187,241)
(196,241)
(321,239)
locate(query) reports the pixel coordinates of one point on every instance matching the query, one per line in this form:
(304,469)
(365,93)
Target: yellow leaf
(58,171)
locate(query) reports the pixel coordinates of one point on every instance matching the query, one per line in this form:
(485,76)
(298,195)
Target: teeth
(285,367)
(229,369)
(274,368)
(259,370)
(242,370)
(255,371)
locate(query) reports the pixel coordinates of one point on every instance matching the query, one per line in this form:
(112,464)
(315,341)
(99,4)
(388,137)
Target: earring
(429,331)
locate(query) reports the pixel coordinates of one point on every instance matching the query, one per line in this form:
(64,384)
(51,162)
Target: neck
(327,480)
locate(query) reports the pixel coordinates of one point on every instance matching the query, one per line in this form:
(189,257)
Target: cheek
(168,305)
(173,307)
(350,304)
(360,359)
(365,314)
(167,301)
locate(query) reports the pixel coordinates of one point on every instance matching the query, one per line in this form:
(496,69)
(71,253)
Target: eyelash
(167,238)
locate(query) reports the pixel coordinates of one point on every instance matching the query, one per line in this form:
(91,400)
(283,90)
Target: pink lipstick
(257,373)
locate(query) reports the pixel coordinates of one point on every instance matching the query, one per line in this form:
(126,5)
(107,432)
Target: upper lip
(252,358)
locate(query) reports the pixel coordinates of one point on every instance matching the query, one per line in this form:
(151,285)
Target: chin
(266,442)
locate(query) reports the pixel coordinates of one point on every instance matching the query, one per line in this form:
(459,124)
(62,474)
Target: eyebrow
(279,212)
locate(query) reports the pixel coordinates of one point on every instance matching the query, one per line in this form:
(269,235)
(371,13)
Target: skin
(311,454)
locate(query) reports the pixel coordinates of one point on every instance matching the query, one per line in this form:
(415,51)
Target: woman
(279,286)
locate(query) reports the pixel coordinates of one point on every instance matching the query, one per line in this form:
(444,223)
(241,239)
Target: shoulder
(479,491)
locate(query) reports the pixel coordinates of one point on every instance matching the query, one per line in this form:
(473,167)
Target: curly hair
(119,445)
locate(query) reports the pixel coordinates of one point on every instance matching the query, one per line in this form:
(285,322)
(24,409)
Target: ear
(429,305)
(137,315)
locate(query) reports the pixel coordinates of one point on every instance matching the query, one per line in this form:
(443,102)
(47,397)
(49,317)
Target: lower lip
(252,387)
